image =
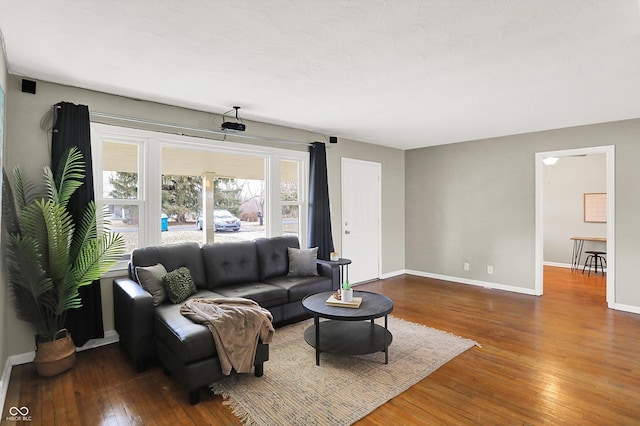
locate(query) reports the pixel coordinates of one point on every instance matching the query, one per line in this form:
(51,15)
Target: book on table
(355,303)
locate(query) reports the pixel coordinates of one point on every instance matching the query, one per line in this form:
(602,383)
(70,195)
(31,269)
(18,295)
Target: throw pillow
(179,285)
(302,262)
(150,278)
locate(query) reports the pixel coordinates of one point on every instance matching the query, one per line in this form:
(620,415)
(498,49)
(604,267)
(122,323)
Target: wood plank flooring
(562,358)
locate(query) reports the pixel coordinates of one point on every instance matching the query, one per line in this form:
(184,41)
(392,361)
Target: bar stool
(594,257)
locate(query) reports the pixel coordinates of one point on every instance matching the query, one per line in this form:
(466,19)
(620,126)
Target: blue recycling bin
(164,220)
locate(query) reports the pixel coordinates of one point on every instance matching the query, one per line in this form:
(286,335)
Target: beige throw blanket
(236,324)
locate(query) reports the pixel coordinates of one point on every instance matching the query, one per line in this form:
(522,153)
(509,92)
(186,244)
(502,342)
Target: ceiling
(399,73)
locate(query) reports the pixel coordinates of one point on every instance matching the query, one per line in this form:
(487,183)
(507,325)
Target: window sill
(118,271)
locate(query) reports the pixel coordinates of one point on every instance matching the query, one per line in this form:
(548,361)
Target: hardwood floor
(562,358)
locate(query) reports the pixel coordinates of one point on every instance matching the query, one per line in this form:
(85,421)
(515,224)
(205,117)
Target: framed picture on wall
(595,207)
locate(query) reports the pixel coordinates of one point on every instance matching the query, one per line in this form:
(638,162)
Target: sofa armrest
(330,270)
(133,312)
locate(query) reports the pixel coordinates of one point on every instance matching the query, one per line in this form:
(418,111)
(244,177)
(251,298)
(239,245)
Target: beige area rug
(343,389)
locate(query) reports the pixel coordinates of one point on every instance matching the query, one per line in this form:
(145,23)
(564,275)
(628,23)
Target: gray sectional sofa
(256,270)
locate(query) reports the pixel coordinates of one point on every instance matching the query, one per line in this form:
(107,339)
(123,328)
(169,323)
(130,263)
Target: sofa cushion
(189,341)
(179,285)
(302,262)
(299,287)
(172,256)
(230,263)
(266,295)
(273,258)
(150,278)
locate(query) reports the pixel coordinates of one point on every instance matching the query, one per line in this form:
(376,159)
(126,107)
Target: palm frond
(20,195)
(59,233)
(50,183)
(103,218)
(97,257)
(29,285)
(113,246)
(33,225)
(9,211)
(68,295)
(69,176)
(26,191)
(52,227)
(85,230)
(32,311)
(23,261)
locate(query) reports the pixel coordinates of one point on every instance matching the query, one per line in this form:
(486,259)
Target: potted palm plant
(50,256)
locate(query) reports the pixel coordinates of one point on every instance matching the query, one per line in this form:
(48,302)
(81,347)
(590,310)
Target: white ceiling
(400,73)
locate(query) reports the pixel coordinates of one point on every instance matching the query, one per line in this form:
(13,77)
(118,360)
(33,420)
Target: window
(235,194)
(117,182)
(163,189)
(290,197)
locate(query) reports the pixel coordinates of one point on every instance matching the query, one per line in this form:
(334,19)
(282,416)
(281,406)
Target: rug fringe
(243,415)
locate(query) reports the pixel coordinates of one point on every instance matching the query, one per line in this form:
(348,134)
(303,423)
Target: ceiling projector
(230,125)
(237,126)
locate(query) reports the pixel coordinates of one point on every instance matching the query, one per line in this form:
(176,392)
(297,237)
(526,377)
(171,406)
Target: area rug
(343,389)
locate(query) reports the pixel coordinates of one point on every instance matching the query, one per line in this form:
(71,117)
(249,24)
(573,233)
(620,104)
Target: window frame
(150,144)
(300,202)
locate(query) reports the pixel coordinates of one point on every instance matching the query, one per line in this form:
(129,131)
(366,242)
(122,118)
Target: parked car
(222,220)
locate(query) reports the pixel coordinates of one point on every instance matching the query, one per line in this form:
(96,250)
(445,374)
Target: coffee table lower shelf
(349,338)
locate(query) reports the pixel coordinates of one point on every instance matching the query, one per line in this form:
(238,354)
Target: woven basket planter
(55,357)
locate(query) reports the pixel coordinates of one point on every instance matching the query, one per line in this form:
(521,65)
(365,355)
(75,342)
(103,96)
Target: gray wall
(29,146)
(474,202)
(565,184)
(3,288)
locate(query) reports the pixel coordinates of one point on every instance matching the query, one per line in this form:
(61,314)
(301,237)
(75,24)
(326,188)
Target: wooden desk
(578,243)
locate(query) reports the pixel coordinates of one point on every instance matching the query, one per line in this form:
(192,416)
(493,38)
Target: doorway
(609,152)
(361,232)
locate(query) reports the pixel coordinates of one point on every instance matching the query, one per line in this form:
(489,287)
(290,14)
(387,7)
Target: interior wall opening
(560,212)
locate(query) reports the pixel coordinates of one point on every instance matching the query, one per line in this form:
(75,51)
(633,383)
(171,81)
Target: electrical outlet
(466,266)
(489,269)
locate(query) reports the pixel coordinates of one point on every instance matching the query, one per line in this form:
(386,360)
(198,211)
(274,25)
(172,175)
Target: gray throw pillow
(179,285)
(302,262)
(150,278)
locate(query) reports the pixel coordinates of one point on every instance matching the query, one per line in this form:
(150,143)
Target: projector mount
(237,126)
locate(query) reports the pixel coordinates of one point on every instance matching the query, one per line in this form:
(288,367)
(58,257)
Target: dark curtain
(319,215)
(71,128)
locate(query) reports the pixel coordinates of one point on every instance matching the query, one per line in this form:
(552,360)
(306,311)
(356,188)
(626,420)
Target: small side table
(344,268)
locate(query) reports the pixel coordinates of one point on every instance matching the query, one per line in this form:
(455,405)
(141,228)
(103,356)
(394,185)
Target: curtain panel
(71,127)
(319,214)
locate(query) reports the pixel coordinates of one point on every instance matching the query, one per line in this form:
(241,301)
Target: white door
(361,225)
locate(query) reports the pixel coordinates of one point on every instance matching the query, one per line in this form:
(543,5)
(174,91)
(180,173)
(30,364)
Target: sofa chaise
(260,270)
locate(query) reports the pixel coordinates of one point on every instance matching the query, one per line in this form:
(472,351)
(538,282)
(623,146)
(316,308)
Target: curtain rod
(196,129)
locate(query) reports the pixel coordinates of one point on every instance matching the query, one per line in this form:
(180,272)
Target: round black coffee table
(348,331)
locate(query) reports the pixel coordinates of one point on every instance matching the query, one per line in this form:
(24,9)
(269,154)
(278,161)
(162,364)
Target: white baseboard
(565,265)
(110,336)
(625,308)
(558,265)
(485,284)
(393,274)
(460,280)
